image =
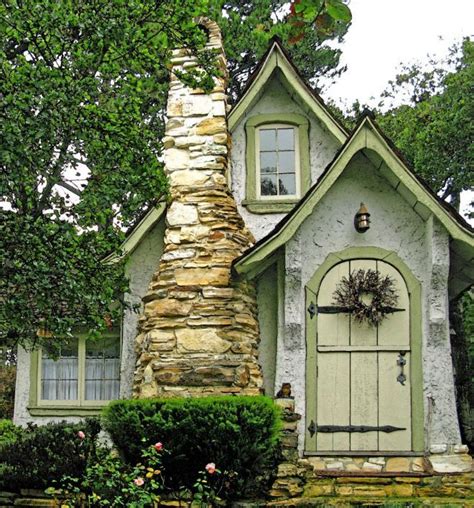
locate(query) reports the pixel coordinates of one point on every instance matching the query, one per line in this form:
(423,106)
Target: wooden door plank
(363,333)
(395,328)
(394,403)
(360,349)
(333,399)
(364,397)
(332,328)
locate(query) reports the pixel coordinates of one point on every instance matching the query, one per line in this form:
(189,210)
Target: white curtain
(102,378)
(59,378)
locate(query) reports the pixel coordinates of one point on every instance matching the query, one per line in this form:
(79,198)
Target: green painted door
(358,383)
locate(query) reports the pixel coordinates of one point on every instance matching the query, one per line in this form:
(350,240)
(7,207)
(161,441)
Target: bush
(40,456)
(9,432)
(238,434)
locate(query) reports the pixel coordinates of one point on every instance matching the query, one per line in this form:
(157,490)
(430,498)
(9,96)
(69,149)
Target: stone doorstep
(327,473)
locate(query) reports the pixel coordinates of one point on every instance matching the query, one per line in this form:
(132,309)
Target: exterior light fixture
(361,219)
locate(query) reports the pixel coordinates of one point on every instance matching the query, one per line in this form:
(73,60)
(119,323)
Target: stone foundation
(438,475)
(452,490)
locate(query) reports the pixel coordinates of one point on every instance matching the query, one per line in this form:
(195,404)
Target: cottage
(292,253)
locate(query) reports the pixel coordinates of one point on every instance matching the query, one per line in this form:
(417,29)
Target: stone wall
(198,333)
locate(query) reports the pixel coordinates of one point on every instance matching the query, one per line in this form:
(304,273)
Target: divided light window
(85,372)
(277,161)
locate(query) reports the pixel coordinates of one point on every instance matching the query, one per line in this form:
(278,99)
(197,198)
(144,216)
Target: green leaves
(338,10)
(325,16)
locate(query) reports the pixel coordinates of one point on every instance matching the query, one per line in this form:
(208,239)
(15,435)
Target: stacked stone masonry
(441,475)
(198,334)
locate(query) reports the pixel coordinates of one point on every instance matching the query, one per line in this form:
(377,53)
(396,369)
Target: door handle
(401,362)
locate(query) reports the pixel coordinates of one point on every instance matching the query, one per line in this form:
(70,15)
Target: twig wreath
(367,295)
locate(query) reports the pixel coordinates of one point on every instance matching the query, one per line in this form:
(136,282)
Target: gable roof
(136,234)
(390,163)
(276,59)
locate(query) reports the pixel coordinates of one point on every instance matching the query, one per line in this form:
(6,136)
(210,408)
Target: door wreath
(367,295)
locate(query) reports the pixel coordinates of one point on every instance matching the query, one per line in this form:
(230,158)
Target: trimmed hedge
(39,456)
(239,434)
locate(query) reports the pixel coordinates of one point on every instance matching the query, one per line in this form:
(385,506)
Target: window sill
(270,206)
(66,410)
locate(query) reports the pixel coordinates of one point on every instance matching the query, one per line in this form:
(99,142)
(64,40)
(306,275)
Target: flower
(81,435)
(139,481)
(159,446)
(211,468)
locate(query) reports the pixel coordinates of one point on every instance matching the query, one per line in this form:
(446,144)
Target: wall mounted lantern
(361,219)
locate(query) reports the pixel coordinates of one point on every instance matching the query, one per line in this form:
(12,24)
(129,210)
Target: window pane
(267,140)
(286,162)
(286,139)
(268,162)
(102,372)
(268,185)
(59,377)
(286,185)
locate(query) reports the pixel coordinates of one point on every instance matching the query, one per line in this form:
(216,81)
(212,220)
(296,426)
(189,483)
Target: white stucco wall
(323,146)
(22,389)
(423,247)
(267,297)
(140,268)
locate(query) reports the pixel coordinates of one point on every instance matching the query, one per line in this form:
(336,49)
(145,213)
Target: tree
(434,127)
(82,91)
(248,27)
(82,95)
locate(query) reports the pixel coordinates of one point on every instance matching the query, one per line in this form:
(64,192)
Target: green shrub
(9,432)
(41,455)
(238,434)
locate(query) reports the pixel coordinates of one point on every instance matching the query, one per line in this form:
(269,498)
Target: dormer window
(277,162)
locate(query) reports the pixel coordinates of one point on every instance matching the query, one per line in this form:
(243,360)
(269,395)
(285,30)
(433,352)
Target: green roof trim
(366,136)
(135,235)
(276,58)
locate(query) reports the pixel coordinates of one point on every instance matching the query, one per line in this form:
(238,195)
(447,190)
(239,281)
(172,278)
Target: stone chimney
(198,334)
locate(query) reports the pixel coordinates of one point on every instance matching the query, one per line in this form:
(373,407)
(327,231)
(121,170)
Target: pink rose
(159,446)
(211,468)
(139,481)
(81,435)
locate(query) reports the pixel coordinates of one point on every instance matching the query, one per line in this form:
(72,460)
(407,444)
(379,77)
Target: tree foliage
(82,91)
(303,27)
(434,127)
(82,94)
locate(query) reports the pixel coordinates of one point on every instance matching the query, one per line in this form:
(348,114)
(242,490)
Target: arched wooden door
(363,381)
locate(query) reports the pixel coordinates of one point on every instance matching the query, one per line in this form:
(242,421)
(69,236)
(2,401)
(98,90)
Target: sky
(387,33)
